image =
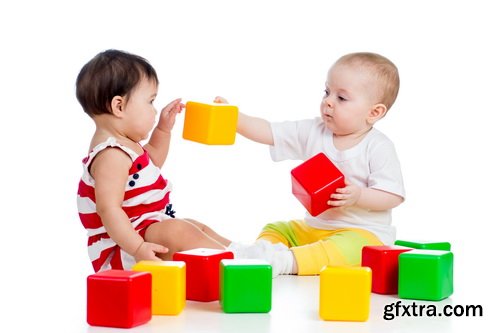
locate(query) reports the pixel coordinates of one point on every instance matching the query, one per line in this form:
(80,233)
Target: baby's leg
(313,248)
(280,232)
(273,246)
(342,248)
(210,232)
(179,235)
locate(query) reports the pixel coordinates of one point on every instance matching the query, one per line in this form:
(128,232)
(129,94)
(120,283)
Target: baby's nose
(328,103)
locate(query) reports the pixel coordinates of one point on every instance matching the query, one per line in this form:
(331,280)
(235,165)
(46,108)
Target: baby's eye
(342,98)
(327,93)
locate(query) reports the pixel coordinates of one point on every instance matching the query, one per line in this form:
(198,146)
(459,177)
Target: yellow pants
(315,248)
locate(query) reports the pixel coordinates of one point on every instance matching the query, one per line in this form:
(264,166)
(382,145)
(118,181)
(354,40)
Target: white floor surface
(294,309)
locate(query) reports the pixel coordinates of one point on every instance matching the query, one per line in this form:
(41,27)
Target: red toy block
(117,298)
(383,260)
(202,272)
(314,181)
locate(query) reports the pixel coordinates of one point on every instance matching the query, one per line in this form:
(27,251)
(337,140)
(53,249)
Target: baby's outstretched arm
(253,128)
(110,171)
(367,198)
(159,143)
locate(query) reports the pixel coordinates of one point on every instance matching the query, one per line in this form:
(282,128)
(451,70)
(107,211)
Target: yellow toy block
(344,293)
(168,287)
(212,124)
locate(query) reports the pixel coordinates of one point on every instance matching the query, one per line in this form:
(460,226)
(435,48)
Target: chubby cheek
(152,117)
(152,123)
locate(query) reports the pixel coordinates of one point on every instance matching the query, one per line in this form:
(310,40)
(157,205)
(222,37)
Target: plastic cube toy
(344,293)
(425,275)
(202,272)
(117,298)
(442,246)
(212,124)
(246,286)
(383,261)
(314,181)
(169,285)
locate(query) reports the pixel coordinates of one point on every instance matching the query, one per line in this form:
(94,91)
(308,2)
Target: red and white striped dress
(146,197)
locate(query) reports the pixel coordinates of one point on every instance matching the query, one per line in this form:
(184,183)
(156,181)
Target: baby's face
(140,110)
(350,94)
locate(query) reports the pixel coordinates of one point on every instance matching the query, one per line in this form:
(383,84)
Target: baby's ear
(377,112)
(117,105)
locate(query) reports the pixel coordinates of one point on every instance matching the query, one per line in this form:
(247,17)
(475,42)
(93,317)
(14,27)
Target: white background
(270,58)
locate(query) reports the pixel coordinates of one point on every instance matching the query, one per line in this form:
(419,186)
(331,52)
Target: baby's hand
(148,251)
(345,196)
(221,100)
(168,114)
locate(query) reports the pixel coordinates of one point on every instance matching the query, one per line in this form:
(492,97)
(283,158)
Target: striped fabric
(146,196)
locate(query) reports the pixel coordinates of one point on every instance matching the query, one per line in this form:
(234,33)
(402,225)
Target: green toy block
(425,275)
(245,286)
(442,246)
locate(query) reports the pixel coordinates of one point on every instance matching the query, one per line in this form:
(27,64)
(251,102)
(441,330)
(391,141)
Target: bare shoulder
(111,160)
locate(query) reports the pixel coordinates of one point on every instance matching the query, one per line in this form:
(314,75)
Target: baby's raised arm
(159,142)
(253,128)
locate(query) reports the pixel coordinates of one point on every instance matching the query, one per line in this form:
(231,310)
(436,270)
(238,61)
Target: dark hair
(110,73)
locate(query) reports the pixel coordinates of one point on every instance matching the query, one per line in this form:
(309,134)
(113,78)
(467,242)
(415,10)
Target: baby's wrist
(138,248)
(164,130)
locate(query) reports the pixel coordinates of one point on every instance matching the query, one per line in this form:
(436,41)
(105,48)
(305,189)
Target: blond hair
(384,71)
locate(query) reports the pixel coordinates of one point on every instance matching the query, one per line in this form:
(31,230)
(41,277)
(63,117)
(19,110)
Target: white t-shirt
(371,163)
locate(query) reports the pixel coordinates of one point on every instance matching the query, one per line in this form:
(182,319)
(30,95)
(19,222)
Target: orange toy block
(211,124)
